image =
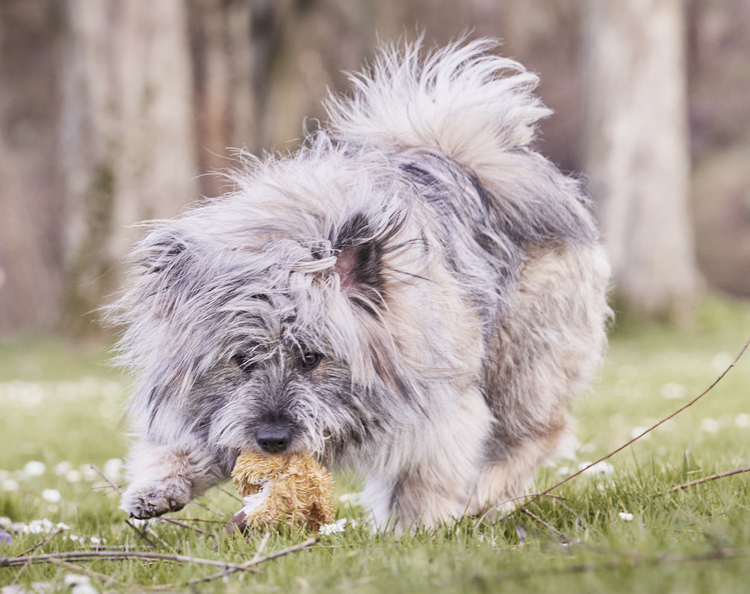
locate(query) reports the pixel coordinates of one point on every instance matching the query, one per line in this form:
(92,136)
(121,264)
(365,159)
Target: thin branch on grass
(199,504)
(117,556)
(247,566)
(42,543)
(183,525)
(647,431)
(201,520)
(713,477)
(543,523)
(262,545)
(105,579)
(232,495)
(151,531)
(511,512)
(580,518)
(141,534)
(115,486)
(20,571)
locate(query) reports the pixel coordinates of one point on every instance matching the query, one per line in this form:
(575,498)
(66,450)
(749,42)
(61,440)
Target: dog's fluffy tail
(461,100)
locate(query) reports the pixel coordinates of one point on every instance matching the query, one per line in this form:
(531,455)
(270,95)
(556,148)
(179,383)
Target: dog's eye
(244,362)
(310,360)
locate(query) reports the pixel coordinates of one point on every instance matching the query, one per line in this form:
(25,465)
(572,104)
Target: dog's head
(281,317)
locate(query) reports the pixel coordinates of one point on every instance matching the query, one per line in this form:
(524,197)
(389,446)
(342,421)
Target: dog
(415,294)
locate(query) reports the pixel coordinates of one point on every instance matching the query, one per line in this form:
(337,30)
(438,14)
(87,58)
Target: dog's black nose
(274,438)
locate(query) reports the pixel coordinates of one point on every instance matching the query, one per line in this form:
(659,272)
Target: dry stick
(247,566)
(543,523)
(106,478)
(105,579)
(117,555)
(510,513)
(713,477)
(228,493)
(199,504)
(41,544)
(201,520)
(262,545)
(649,430)
(141,534)
(36,546)
(18,575)
(183,525)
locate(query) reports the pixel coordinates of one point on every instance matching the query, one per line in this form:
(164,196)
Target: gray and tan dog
(415,294)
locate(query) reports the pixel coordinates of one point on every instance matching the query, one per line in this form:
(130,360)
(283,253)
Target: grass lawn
(60,411)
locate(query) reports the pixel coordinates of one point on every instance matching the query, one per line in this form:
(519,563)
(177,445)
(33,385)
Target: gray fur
(447,277)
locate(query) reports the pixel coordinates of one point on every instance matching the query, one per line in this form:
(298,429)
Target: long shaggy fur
(415,294)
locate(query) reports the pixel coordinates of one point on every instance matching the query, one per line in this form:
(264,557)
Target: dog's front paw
(150,501)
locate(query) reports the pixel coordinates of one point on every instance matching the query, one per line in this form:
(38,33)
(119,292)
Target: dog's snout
(274,438)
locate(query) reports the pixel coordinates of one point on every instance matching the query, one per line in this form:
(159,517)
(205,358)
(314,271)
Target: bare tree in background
(127,135)
(223,81)
(638,155)
(30,208)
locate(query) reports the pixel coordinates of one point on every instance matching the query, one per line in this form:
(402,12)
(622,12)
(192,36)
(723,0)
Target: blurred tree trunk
(30,205)
(638,153)
(223,71)
(127,137)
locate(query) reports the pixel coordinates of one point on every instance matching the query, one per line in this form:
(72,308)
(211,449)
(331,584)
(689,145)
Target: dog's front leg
(164,478)
(432,471)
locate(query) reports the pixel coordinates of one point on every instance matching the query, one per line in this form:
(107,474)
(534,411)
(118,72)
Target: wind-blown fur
(415,294)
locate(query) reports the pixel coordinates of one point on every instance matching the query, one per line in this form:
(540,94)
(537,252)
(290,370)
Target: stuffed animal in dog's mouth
(293,489)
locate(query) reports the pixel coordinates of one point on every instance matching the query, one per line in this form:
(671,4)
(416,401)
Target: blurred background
(114,112)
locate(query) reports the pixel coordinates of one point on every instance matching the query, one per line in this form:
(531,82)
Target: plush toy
(294,489)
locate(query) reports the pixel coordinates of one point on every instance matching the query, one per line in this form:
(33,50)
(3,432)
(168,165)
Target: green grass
(63,404)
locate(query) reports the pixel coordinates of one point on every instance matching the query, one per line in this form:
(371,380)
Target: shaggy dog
(416,294)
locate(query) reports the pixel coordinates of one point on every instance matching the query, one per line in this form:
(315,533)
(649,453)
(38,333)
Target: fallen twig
(262,545)
(649,430)
(201,520)
(141,533)
(42,543)
(20,572)
(512,511)
(228,493)
(116,555)
(115,486)
(713,477)
(105,579)
(188,526)
(199,504)
(247,566)
(543,523)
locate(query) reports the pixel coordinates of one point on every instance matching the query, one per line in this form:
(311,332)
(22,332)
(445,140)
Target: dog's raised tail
(461,100)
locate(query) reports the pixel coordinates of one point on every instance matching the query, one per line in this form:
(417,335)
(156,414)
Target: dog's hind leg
(164,478)
(511,474)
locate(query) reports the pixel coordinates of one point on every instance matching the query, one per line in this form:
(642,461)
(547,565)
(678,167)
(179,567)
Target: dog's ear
(359,263)
(161,263)
(159,252)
